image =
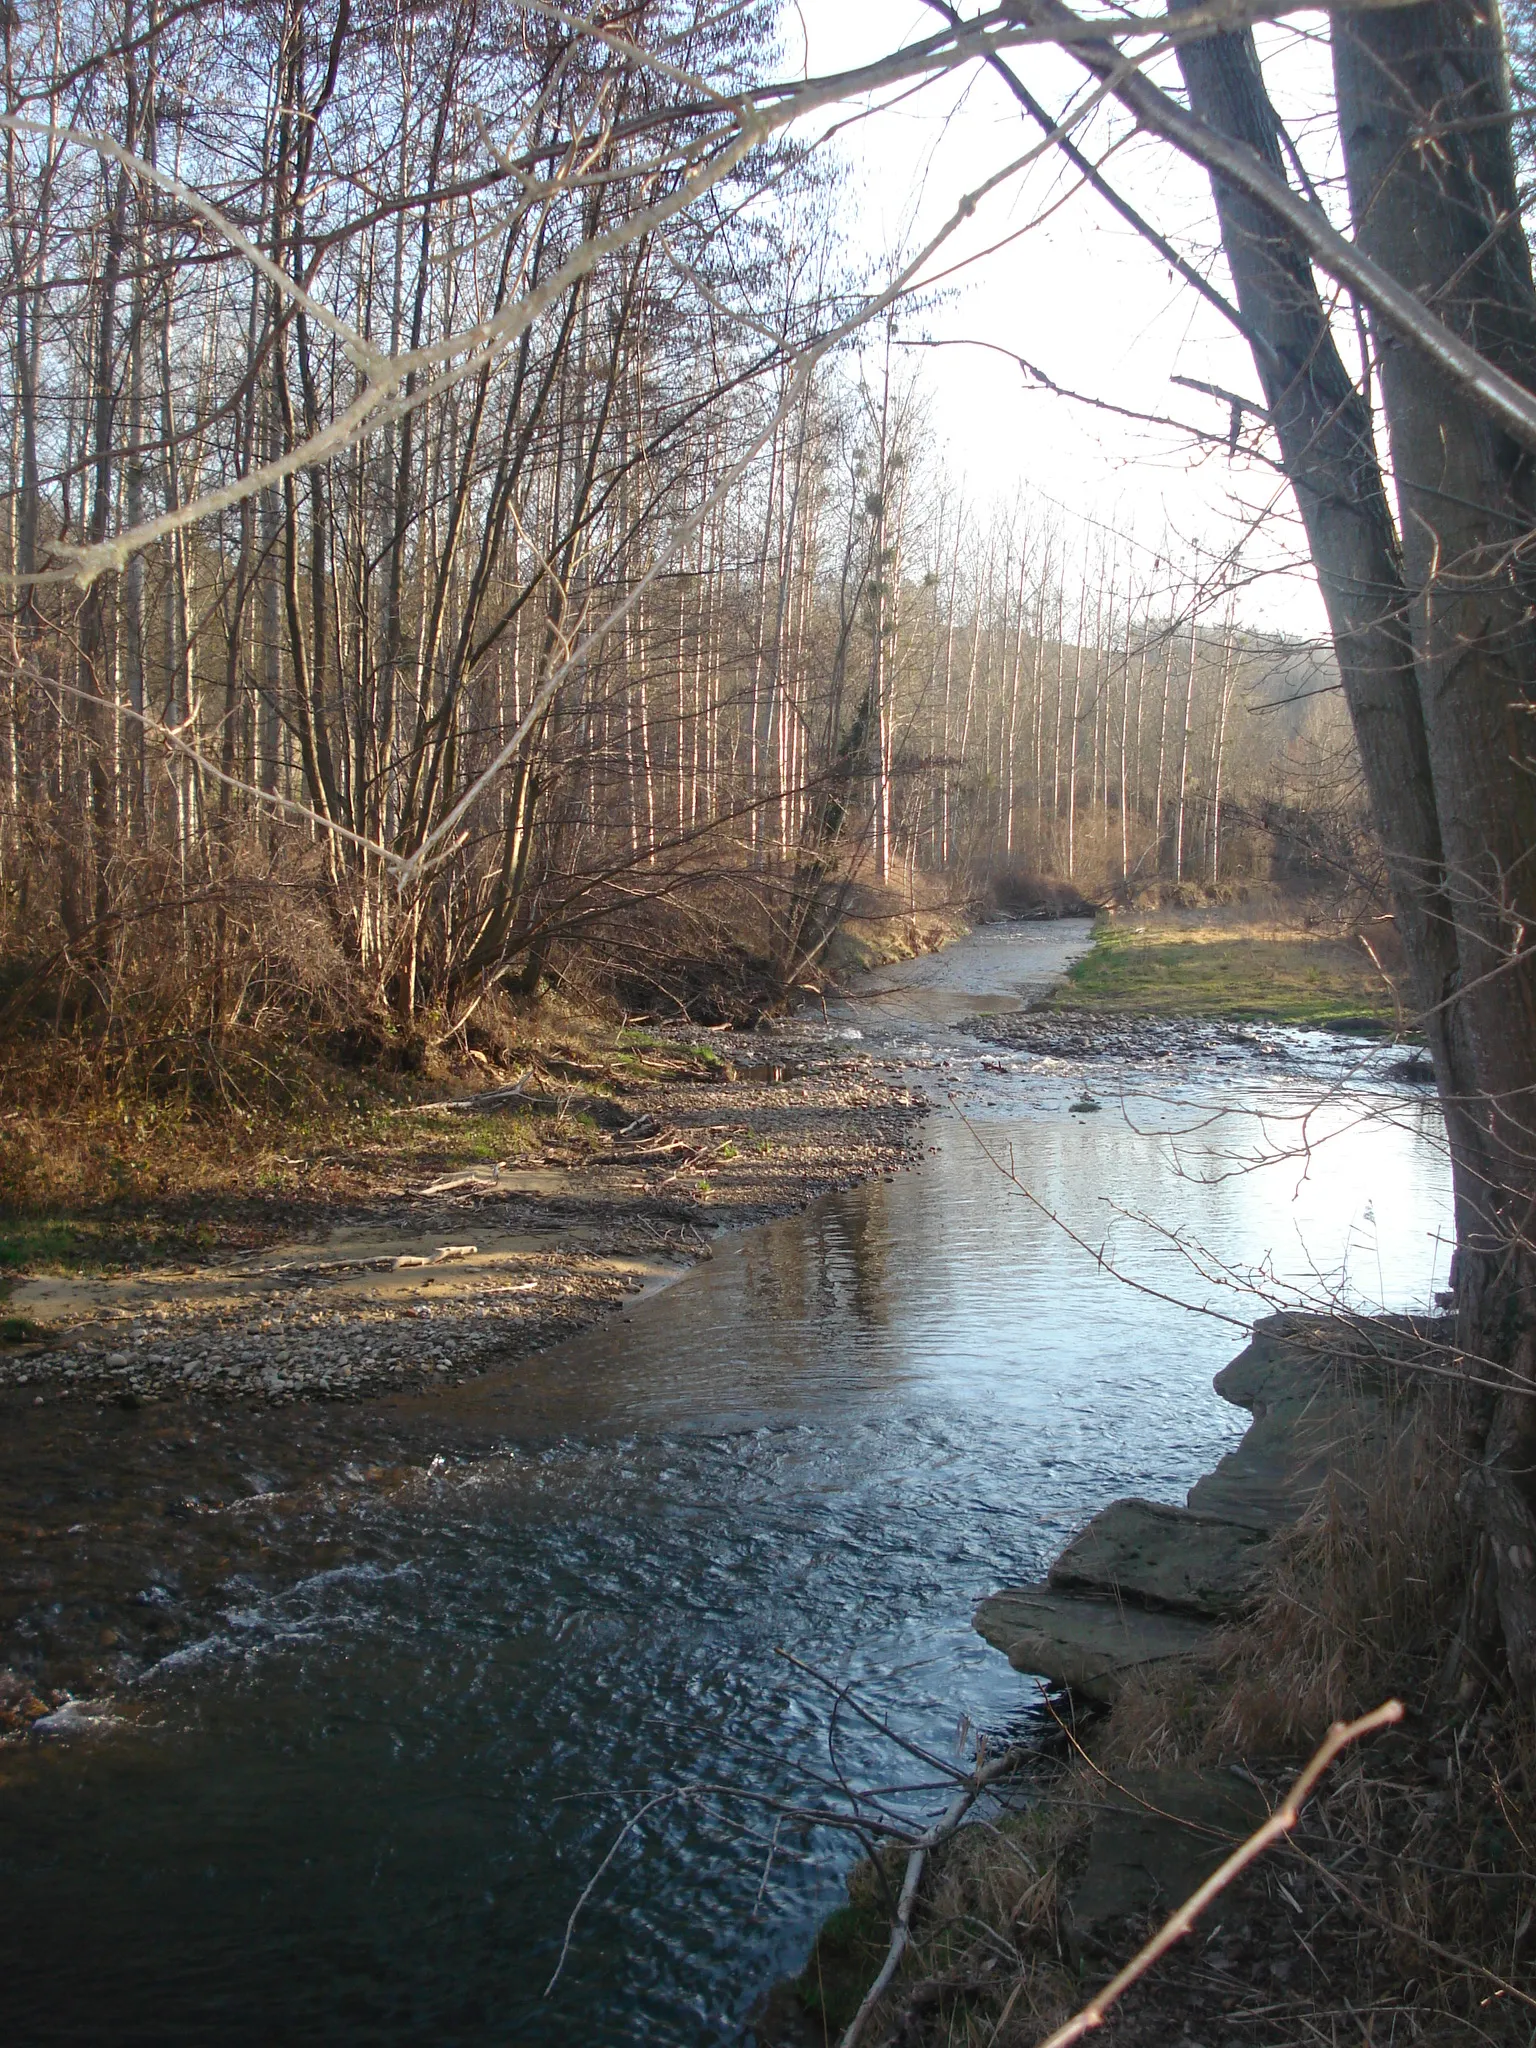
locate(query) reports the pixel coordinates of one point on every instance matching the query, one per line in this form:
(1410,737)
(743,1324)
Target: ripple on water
(377,1786)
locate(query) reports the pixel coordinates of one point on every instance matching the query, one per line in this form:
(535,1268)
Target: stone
(1293,1357)
(1322,1392)
(1156,1838)
(76,1718)
(1163,1557)
(1092,1647)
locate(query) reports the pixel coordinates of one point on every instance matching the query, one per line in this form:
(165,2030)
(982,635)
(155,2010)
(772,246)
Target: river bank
(408,1263)
(341,1220)
(370,1685)
(1262,958)
(403,1271)
(1195,1654)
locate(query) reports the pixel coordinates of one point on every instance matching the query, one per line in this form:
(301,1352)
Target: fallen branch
(804,1816)
(653,1155)
(1178,1924)
(488,1099)
(901,1932)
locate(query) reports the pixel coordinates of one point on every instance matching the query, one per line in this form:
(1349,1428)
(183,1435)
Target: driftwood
(487,1100)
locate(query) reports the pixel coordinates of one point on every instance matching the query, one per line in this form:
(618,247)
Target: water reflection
(371,1794)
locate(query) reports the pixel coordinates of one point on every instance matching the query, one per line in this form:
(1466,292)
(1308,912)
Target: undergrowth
(101,1166)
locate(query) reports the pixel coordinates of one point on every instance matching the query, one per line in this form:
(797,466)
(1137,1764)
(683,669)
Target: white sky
(1081,295)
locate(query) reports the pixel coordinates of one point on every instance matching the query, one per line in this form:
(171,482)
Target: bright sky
(1080,294)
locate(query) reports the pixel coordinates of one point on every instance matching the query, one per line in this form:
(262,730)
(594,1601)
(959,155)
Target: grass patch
(433,1139)
(96,1242)
(20,1330)
(1184,967)
(95,1174)
(43,1241)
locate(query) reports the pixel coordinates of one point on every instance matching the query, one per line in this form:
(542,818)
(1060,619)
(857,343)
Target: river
(361,1805)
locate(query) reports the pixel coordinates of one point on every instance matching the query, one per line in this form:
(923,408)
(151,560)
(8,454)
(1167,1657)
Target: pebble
(856,1126)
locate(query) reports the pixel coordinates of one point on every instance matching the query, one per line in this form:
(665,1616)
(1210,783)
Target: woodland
(518,639)
(474,533)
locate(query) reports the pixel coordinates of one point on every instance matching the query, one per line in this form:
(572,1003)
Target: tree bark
(1424,111)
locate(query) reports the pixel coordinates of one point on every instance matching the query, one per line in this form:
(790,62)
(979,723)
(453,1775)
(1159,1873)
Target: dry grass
(988,1962)
(1357,1601)
(96,1168)
(1404,1909)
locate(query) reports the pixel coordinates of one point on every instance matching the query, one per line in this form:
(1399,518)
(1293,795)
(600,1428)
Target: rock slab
(1323,1391)
(1145,1582)
(1092,1647)
(1164,1558)
(1157,1837)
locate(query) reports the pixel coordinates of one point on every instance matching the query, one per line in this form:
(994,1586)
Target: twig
(901,1932)
(1178,1924)
(786,1810)
(661,1799)
(845,1693)
(773,1848)
(487,1099)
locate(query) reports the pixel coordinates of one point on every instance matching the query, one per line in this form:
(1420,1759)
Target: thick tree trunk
(1324,429)
(1445,220)
(1433,642)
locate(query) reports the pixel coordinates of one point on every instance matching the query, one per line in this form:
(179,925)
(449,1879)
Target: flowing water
(360,1807)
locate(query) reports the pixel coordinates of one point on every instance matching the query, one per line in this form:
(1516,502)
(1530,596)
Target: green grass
(94,1243)
(1182,970)
(20,1330)
(493,1134)
(46,1241)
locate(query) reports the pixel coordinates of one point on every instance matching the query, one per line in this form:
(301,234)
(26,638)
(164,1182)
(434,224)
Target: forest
(642,646)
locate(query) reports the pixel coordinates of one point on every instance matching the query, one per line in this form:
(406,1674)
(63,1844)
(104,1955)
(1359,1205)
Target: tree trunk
(1433,644)
(1446,222)
(1324,429)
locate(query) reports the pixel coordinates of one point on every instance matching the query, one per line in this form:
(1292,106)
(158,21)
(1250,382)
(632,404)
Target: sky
(1079,294)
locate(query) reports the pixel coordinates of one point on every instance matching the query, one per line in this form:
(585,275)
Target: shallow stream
(362,1805)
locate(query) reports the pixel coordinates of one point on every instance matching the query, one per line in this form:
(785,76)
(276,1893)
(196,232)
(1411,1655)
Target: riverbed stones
(1162,1557)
